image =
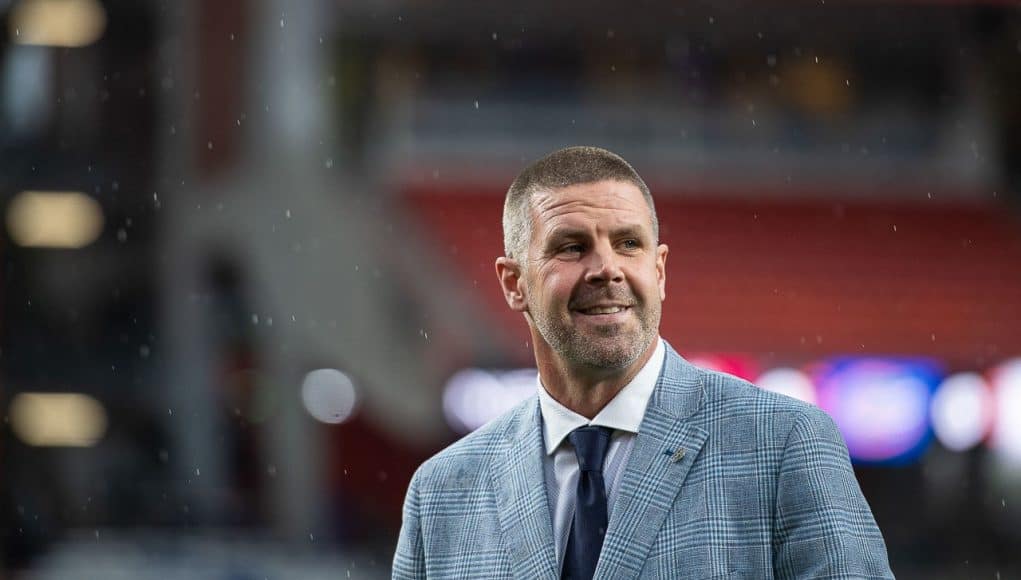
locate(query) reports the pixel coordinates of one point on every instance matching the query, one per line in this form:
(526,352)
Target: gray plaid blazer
(725,481)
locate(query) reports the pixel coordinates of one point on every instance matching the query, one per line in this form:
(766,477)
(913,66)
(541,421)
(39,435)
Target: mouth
(598,310)
(602,314)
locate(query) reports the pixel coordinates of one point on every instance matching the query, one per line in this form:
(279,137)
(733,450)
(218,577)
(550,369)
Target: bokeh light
(60,23)
(962,411)
(788,381)
(473,397)
(54,219)
(1006,439)
(880,405)
(328,395)
(57,419)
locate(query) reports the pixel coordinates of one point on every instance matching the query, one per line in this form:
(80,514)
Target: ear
(509,272)
(661,252)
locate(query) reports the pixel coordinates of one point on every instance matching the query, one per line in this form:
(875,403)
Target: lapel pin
(678,455)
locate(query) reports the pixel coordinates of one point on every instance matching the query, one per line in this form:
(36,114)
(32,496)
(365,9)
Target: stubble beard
(606,347)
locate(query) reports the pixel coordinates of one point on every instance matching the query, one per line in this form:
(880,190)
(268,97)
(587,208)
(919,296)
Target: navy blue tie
(589,526)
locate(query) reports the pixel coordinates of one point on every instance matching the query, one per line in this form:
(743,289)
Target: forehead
(600,203)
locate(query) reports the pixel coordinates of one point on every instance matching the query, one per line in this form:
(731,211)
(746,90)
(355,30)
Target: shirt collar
(624,412)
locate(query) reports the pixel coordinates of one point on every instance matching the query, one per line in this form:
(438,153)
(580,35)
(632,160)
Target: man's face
(595,277)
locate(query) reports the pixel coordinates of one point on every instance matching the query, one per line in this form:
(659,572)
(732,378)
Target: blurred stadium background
(247,261)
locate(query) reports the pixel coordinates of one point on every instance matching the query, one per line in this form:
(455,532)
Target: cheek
(649,284)
(555,288)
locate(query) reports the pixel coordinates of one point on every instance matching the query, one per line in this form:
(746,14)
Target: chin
(610,356)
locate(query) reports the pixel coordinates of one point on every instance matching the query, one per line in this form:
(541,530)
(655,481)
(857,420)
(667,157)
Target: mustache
(588,299)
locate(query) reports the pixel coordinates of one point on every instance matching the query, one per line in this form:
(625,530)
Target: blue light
(881,405)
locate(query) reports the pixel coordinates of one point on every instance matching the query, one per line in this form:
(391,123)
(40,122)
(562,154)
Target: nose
(603,267)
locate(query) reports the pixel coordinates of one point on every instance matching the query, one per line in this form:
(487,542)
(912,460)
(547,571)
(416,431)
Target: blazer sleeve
(823,527)
(409,559)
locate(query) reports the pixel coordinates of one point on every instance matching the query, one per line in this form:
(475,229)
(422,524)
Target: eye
(572,249)
(631,244)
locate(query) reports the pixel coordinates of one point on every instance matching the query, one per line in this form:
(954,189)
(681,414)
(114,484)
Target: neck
(584,390)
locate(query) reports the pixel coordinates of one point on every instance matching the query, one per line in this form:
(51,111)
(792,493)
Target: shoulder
(742,406)
(463,462)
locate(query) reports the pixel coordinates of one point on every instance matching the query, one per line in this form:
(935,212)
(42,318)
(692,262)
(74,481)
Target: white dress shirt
(623,414)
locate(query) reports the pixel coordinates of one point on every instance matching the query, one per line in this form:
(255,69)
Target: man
(629,462)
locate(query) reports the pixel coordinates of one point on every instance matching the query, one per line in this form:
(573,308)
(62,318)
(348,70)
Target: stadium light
(1006,439)
(57,419)
(328,395)
(54,219)
(59,23)
(880,405)
(962,411)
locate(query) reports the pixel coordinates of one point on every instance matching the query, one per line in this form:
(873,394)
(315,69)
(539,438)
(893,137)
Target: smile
(603,310)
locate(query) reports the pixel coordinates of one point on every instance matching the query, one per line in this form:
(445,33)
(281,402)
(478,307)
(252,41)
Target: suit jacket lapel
(520,484)
(664,450)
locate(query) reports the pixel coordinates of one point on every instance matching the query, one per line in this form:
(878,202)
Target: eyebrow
(566,232)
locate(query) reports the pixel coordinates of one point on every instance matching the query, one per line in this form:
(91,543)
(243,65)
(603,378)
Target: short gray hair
(562,168)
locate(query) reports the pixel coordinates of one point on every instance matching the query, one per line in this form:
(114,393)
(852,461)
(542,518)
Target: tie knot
(590,445)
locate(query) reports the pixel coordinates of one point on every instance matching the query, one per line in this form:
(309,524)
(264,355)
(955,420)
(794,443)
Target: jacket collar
(668,442)
(522,505)
(665,448)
